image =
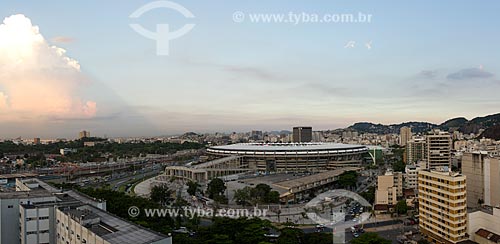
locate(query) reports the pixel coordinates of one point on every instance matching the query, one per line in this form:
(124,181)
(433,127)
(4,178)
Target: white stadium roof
(313,146)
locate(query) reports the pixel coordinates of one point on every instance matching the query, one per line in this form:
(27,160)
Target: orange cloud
(37,80)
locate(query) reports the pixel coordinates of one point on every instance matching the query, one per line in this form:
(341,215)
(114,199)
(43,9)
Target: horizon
(64,71)
(74,135)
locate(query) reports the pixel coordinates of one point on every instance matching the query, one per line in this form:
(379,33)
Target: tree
(260,192)
(215,188)
(241,230)
(348,179)
(369,194)
(161,194)
(221,199)
(273,197)
(423,241)
(398,166)
(290,236)
(193,187)
(370,238)
(401,207)
(243,196)
(318,238)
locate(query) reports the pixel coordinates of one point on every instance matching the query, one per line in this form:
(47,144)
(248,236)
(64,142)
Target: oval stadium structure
(295,157)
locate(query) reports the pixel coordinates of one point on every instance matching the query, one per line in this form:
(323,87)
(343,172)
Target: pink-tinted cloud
(62,39)
(37,80)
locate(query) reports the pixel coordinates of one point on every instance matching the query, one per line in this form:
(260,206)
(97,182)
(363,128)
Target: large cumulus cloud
(37,80)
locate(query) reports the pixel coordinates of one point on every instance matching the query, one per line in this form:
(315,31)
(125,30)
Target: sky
(67,66)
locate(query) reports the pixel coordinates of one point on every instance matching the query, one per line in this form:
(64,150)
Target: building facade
(484,227)
(416,150)
(411,176)
(442,206)
(293,157)
(302,134)
(438,149)
(404,135)
(29,213)
(269,158)
(483,178)
(389,188)
(83,134)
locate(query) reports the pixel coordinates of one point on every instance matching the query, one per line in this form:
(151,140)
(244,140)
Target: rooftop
(116,230)
(126,232)
(314,178)
(215,162)
(36,192)
(13,176)
(311,146)
(488,235)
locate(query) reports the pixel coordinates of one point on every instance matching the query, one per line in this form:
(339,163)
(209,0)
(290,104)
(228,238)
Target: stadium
(293,169)
(292,157)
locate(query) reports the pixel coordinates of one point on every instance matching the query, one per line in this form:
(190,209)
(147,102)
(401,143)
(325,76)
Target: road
(116,184)
(395,230)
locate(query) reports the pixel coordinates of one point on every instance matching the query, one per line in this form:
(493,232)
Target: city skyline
(284,74)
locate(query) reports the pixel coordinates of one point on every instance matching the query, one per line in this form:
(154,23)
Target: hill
(367,127)
(490,124)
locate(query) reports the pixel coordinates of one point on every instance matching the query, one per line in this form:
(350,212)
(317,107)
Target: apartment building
(483,178)
(416,150)
(389,188)
(88,224)
(404,135)
(442,205)
(411,176)
(484,226)
(29,216)
(438,144)
(302,134)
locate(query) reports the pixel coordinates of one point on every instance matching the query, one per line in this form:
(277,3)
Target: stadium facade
(269,158)
(293,157)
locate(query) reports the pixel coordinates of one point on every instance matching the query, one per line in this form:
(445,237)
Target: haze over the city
(411,62)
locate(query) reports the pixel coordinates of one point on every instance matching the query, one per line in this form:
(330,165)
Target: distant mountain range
(490,124)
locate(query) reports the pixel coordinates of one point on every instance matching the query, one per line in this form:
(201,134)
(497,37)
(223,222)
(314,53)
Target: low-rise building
(389,188)
(484,226)
(87,224)
(30,215)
